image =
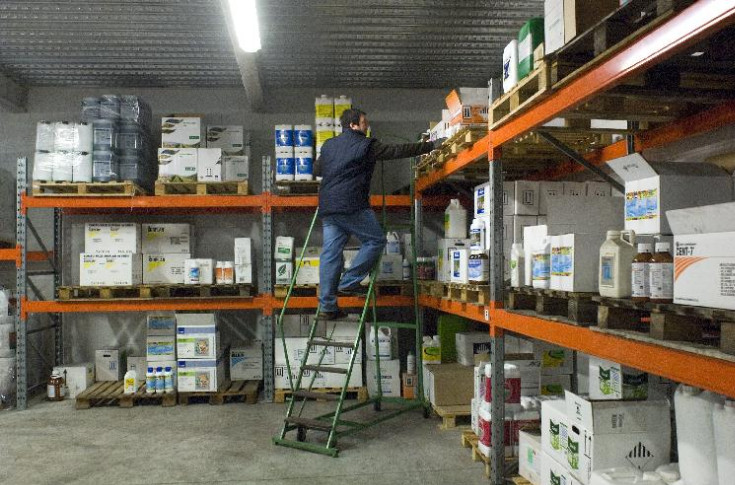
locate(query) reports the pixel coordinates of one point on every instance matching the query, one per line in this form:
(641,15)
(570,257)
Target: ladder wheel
(301,434)
(377,405)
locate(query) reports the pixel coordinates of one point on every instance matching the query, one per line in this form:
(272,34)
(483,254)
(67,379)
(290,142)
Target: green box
(529,37)
(448,326)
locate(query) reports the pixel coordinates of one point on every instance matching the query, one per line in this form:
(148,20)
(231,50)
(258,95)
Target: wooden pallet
(110,393)
(85,189)
(359,393)
(230,391)
(302,187)
(576,308)
(201,188)
(452,414)
(431,288)
(280,291)
(469,440)
(148,292)
(530,89)
(467,293)
(707,327)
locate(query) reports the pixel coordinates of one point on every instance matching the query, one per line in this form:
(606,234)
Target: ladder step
(310,423)
(330,343)
(395,325)
(325,369)
(317,395)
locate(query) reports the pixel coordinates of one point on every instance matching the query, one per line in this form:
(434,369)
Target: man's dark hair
(350,116)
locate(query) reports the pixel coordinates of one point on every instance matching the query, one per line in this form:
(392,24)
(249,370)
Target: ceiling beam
(13,96)
(247,62)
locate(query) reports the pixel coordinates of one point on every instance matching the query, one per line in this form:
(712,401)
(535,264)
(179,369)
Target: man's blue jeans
(337,229)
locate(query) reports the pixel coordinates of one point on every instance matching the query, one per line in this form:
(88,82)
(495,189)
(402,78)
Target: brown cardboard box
(410,382)
(451,384)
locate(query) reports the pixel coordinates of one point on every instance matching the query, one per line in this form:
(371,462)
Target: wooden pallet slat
(149,292)
(528,90)
(86,189)
(230,392)
(358,393)
(296,187)
(110,393)
(578,308)
(451,414)
(201,188)
(475,294)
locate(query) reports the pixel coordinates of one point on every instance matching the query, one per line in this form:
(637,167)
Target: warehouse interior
(566,232)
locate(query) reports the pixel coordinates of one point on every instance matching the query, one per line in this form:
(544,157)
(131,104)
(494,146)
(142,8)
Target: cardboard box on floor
(451,384)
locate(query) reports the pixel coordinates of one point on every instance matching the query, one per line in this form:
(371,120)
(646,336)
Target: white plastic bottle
(168,380)
(129,386)
(640,277)
(194,272)
(406,269)
(411,363)
(477,235)
(516,265)
(616,259)
(393,243)
(4,303)
(541,269)
(695,435)
(724,423)
(160,380)
(512,384)
(150,381)
(455,221)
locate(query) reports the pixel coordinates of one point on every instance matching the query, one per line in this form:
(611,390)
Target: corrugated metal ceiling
(306,43)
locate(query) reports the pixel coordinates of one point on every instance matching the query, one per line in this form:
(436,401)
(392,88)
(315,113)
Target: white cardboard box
(107,365)
(482,200)
(548,190)
(166,238)
(575,189)
(282,380)
(246,362)
(344,331)
(309,268)
(390,267)
(164,268)
(198,340)
(111,238)
(529,456)
(651,189)
(525,198)
(566,19)
(460,265)
(554,360)
(284,272)
(296,347)
(470,344)
(554,472)
(176,164)
(200,375)
(575,262)
(337,380)
(554,429)
(283,249)
(608,434)
(703,249)
(243,260)
(444,257)
(209,165)
(206,271)
(612,381)
(181,132)
(227,137)
(390,382)
(163,323)
(235,168)
(110,269)
(599,189)
(161,347)
(78,377)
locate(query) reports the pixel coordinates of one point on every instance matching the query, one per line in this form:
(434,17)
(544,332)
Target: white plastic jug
(517,265)
(385,343)
(4,303)
(625,476)
(129,382)
(724,423)
(510,65)
(393,244)
(695,435)
(455,221)
(616,263)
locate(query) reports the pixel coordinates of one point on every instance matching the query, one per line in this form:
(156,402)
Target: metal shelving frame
(682,31)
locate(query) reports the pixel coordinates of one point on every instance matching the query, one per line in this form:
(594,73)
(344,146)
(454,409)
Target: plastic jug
(695,435)
(455,221)
(129,386)
(393,244)
(724,423)
(517,265)
(385,343)
(616,263)
(477,235)
(625,476)
(541,265)
(4,303)
(510,65)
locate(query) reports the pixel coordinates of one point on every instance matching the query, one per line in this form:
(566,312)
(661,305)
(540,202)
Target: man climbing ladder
(346,165)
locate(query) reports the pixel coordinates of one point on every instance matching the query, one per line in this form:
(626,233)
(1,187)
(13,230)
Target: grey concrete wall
(396,116)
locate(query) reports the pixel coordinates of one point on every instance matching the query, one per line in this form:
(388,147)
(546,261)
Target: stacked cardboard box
(111,255)
(283,256)
(166,247)
(198,353)
(160,345)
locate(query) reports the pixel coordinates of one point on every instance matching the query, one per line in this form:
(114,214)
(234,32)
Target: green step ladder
(332,423)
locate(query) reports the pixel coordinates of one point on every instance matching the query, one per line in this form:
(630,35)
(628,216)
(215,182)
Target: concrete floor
(52,443)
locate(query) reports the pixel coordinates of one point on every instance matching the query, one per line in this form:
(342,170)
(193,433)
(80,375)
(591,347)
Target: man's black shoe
(338,315)
(358,290)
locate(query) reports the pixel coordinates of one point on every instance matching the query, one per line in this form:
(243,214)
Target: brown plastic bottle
(662,274)
(640,273)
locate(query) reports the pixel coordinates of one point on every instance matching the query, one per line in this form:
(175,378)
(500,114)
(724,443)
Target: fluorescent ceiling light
(697,54)
(245,21)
